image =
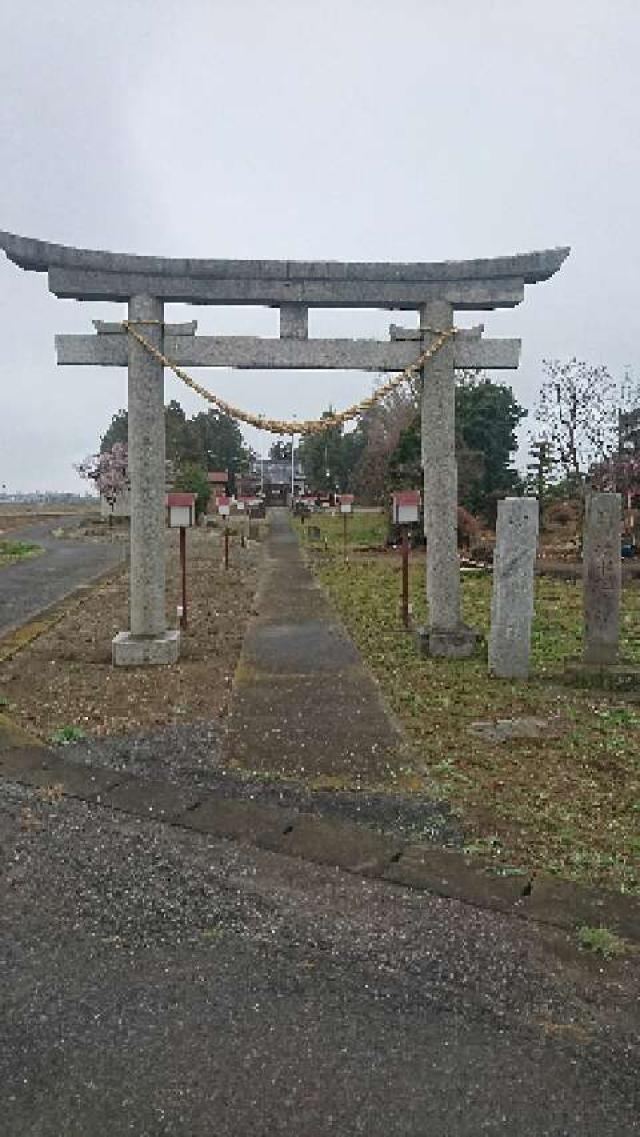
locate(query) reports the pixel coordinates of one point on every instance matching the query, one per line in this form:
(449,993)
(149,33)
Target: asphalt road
(29,587)
(156,982)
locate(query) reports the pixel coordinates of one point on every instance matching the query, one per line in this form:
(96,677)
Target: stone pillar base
(447,643)
(140,651)
(620,676)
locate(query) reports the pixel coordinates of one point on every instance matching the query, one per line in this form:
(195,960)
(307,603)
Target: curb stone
(350,846)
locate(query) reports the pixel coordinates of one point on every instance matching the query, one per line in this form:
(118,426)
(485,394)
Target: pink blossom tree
(109,472)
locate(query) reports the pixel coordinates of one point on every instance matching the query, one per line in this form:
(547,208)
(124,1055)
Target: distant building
(272,477)
(629,432)
(219,483)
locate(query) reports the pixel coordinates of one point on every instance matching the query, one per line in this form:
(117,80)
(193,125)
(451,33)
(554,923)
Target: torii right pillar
(446,635)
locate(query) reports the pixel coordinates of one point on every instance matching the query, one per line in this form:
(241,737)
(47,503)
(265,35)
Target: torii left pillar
(446,635)
(148,640)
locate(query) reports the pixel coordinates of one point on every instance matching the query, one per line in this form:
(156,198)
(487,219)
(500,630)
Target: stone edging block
(344,844)
(154,799)
(449,873)
(239,820)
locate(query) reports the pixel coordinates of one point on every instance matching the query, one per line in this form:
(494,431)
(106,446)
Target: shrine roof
(406,497)
(180,499)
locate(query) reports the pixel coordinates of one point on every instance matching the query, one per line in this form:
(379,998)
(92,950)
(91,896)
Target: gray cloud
(354,130)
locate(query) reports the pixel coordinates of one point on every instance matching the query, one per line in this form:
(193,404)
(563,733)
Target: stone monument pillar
(512,599)
(148,640)
(601,578)
(445,634)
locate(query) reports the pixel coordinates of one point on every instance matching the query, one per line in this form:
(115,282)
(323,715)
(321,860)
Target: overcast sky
(337,129)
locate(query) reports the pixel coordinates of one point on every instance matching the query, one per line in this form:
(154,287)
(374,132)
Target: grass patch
(567,803)
(11,551)
(364,530)
(68,734)
(602,941)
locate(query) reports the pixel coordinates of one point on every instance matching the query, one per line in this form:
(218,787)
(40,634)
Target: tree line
(384,451)
(210,440)
(585,430)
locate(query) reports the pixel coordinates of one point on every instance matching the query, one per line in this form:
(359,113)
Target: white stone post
(148,640)
(512,599)
(445,634)
(601,578)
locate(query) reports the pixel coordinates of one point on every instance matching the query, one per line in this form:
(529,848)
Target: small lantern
(181,510)
(224,506)
(406,507)
(346,503)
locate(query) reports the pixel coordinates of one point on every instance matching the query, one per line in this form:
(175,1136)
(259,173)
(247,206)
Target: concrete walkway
(303,704)
(30,587)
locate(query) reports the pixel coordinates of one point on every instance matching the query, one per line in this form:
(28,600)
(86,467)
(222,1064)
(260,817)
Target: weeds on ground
(52,793)
(11,551)
(567,802)
(364,530)
(67,734)
(602,941)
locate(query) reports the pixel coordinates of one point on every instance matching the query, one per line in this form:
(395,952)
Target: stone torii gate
(435,290)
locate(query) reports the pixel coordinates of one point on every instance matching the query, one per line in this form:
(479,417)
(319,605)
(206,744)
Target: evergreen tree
(487,415)
(117,431)
(280,451)
(210,440)
(330,457)
(192,478)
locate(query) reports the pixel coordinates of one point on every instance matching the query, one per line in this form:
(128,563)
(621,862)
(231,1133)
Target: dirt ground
(17,516)
(65,677)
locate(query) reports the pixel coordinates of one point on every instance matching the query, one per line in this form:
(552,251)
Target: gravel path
(159,982)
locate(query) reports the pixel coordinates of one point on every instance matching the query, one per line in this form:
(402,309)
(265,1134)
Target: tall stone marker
(433,289)
(512,600)
(601,578)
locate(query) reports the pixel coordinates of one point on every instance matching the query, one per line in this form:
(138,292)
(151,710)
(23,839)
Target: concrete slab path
(303,704)
(30,587)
